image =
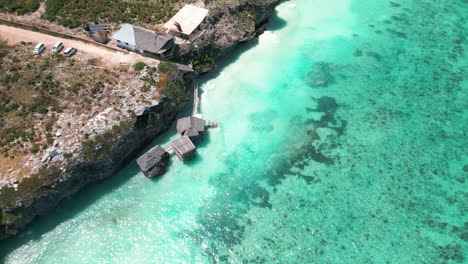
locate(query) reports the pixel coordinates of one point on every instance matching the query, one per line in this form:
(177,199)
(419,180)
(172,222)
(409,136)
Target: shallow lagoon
(342,139)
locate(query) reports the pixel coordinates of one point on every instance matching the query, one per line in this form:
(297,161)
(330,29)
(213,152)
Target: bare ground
(108,57)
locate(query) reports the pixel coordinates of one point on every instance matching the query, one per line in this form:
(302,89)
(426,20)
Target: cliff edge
(98,153)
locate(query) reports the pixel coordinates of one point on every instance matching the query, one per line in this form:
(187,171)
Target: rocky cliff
(102,159)
(229,23)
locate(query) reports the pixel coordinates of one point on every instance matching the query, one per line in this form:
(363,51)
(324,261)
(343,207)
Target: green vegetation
(164,67)
(8,218)
(172,83)
(102,146)
(19,7)
(28,188)
(28,92)
(7,196)
(33,92)
(204,57)
(139,66)
(73,13)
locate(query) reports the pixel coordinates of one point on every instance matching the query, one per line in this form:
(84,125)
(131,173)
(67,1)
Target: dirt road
(108,57)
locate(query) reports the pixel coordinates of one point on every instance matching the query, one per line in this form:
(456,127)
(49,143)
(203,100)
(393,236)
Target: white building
(144,41)
(187,20)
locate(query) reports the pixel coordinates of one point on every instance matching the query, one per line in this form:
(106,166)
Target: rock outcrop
(228,24)
(93,165)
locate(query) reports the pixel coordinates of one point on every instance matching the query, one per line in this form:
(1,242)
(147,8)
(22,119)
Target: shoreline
(132,140)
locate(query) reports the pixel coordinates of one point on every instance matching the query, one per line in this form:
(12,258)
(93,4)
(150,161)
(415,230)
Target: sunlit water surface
(342,139)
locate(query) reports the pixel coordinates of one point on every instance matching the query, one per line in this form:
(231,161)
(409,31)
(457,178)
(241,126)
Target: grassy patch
(172,83)
(102,146)
(204,57)
(28,188)
(19,7)
(8,196)
(34,92)
(139,66)
(73,13)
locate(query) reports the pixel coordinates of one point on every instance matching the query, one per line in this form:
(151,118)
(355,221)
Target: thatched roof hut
(183,147)
(191,126)
(154,162)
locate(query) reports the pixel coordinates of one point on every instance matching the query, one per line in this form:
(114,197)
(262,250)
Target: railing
(209,123)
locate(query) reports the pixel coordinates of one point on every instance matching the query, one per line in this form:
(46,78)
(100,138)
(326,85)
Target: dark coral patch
(452,252)
(357,53)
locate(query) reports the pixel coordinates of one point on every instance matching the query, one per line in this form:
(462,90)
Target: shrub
(172,85)
(102,146)
(49,125)
(139,66)
(7,196)
(34,149)
(3,54)
(72,13)
(164,67)
(20,7)
(206,56)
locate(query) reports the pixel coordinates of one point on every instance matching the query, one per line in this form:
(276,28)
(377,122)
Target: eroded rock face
(83,170)
(228,24)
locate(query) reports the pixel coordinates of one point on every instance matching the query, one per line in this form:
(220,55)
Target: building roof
(125,34)
(189,18)
(190,123)
(191,133)
(152,41)
(183,145)
(151,158)
(143,39)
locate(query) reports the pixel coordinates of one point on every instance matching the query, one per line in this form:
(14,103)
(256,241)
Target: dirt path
(108,57)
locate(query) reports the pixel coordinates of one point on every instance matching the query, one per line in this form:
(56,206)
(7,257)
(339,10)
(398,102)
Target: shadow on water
(66,210)
(276,23)
(69,208)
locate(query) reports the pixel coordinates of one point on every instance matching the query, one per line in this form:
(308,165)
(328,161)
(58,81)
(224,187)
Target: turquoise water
(342,140)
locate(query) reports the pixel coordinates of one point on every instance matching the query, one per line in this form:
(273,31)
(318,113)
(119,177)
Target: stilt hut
(183,147)
(154,162)
(191,126)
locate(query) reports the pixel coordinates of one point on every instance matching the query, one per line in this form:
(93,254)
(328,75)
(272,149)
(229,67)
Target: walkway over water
(195,100)
(190,129)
